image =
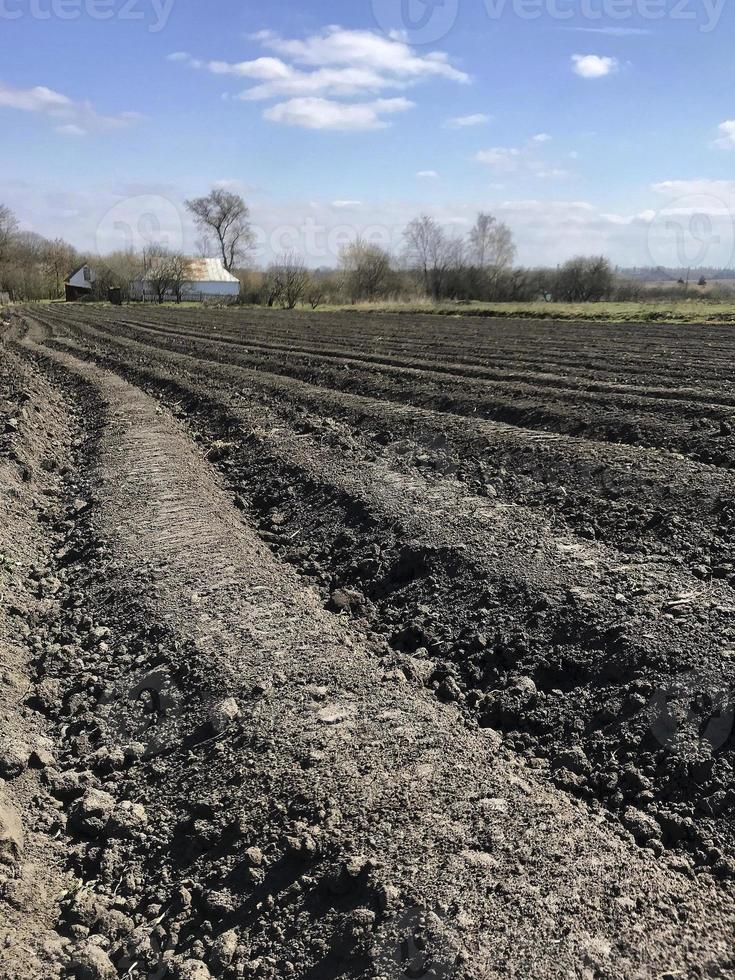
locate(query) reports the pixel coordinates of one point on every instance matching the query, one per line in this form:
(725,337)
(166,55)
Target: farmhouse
(80,284)
(204,279)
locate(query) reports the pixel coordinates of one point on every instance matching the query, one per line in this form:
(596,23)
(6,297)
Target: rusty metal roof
(208,270)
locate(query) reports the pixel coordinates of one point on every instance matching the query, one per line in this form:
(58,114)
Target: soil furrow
(321,708)
(589,633)
(637,500)
(703,432)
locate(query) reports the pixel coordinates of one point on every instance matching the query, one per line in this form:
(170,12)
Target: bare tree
(287,280)
(58,258)
(165,271)
(179,269)
(21,268)
(491,243)
(226,216)
(432,254)
(316,292)
(119,270)
(8,232)
(367,270)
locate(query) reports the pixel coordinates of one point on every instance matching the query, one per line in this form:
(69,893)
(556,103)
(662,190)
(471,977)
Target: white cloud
(548,229)
(726,140)
(326,82)
(428,174)
(501,158)
(38,99)
(723,190)
(526,160)
(346,205)
(71,129)
(643,217)
(233,184)
(553,173)
(593,65)
(313,113)
(355,67)
(462,122)
(73,118)
(364,49)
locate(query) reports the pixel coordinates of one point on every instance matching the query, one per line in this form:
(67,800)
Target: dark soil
(346,647)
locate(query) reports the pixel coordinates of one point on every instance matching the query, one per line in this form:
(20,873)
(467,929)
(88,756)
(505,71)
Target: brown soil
(344,647)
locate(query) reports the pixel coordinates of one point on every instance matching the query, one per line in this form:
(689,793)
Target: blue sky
(610,130)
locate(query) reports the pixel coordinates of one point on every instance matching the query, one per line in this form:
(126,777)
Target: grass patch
(675,311)
(679,311)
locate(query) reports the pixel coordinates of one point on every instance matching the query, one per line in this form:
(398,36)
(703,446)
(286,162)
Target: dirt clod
(91,814)
(223,714)
(11,834)
(91,962)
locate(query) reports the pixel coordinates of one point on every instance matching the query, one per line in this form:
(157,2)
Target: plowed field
(350,646)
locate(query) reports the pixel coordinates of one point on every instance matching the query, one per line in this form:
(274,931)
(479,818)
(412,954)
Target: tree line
(431,264)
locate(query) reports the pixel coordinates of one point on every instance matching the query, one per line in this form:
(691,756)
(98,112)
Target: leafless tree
(367,270)
(118,270)
(165,271)
(287,280)
(226,216)
(58,258)
(432,253)
(8,232)
(490,252)
(491,243)
(316,292)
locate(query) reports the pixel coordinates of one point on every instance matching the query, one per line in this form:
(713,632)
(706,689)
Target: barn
(210,278)
(80,284)
(205,279)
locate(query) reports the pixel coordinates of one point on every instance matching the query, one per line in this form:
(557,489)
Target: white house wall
(211,288)
(79,281)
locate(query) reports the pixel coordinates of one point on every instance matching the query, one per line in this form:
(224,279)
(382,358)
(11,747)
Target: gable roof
(208,270)
(199,270)
(77,271)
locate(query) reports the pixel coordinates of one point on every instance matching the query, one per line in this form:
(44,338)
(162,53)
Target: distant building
(80,284)
(205,279)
